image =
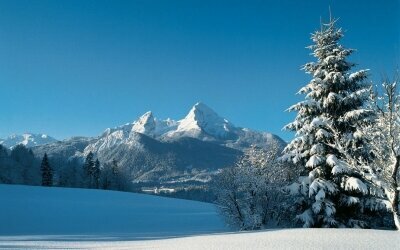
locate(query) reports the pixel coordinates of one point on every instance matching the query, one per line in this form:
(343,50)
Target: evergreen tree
(115,175)
(26,164)
(329,141)
(3,152)
(47,172)
(96,174)
(88,170)
(5,168)
(109,176)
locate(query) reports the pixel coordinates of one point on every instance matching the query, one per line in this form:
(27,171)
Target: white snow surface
(269,239)
(60,218)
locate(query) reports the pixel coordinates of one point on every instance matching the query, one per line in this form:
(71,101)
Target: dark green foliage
(3,152)
(47,172)
(114,177)
(19,166)
(96,174)
(89,164)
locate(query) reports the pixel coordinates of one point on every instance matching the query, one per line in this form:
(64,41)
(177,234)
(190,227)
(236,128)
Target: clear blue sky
(77,67)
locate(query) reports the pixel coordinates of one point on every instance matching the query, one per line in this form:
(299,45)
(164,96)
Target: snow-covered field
(54,218)
(27,210)
(277,239)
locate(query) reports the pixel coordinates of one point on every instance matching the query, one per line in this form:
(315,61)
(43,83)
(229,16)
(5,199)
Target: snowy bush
(249,194)
(384,135)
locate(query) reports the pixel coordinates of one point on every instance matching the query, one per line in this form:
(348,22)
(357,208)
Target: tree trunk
(396,195)
(395,207)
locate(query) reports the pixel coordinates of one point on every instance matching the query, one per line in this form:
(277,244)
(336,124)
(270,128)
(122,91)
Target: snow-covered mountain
(201,123)
(27,139)
(168,151)
(149,125)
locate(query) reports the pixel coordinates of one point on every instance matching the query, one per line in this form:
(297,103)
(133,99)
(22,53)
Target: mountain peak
(146,124)
(202,121)
(147,115)
(201,106)
(200,111)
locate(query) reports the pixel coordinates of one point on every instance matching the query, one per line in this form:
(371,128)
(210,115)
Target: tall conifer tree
(329,141)
(96,174)
(88,170)
(47,172)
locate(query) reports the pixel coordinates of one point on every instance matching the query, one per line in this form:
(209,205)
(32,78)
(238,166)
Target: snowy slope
(27,139)
(280,239)
(275,239)
(27,210)
(55,218)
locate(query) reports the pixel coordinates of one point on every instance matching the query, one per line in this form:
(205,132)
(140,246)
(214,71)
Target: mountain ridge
(192,149)
(27,139)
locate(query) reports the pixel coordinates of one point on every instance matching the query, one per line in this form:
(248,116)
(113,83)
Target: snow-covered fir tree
(329,142)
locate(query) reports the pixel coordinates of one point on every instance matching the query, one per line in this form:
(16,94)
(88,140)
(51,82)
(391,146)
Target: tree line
(20,166)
